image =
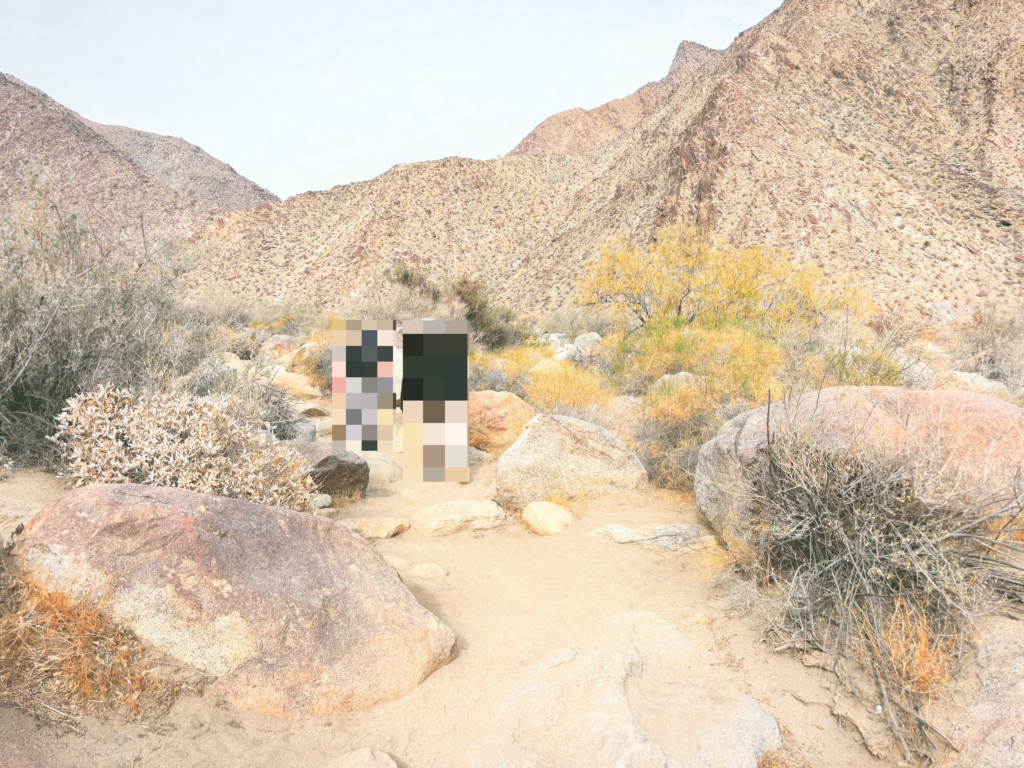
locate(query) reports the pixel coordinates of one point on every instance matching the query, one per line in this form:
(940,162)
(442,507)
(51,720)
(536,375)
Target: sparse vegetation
(178,440)
(686,275)
(61,659)
(993,345)
(860,567)
(76,313)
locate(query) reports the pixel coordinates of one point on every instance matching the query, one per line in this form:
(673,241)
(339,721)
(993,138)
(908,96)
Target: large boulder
(563,457)
(965,444)
(336,472)
(296,615)
(496,419)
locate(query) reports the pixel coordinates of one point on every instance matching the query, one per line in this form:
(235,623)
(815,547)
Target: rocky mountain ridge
(120,176)
(881,140)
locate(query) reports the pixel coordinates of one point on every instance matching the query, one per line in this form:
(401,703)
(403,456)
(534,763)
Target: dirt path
(512,598)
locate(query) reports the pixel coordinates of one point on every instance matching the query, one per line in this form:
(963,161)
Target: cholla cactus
(178,440)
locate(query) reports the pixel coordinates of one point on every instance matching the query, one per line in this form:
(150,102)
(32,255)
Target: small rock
(545,518)
(974,382)
(677,537)
(453,516)
(478,458)
(557,340)
(376,527)
(279,343)
(588,345)
(572,354)
(428,571)
(339,473)
(321,501)
(496,419)
(365,758)
(314,412)
(299,430)
(383,468)
(681,379)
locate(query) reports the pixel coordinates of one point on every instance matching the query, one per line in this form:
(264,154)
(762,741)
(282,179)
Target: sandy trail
(511,598)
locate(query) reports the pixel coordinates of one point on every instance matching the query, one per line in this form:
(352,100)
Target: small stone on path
(376,527)
(454,516)
(428,571)
(545,518)
(321,501)
(677,537)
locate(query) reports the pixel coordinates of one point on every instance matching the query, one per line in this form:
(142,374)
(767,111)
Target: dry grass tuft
(564,387)
(860,567)
(315,361)
(61,659)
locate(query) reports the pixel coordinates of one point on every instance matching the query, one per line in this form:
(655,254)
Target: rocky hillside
(117,175)
(882,140)
(186,168)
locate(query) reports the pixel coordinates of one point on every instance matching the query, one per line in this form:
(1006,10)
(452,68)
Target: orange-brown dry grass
(61,658)
(921,661)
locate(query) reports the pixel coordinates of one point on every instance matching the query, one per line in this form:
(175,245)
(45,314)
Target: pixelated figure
(434,397)
(362,384)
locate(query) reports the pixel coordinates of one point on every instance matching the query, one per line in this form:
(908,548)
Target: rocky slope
(117,175)
(186,168)
(882,140)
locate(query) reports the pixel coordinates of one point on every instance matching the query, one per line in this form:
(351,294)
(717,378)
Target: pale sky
(308,94)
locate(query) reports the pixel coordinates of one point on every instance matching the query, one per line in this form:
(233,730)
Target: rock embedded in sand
(672,537)
(314,412)
(967,444)
(545,518)
(559,456)
(364,758)
(383,468)
(430,571)
(454,516)
(496,419)
(376,527)
(579,708)
(338,473)
(298,616)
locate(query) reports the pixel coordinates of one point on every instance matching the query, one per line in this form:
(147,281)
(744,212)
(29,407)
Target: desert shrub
(857,565)
(251,394)
(178,440)
(506,370)
(402,302)
(687,275)
(993,345)
(493,324)
(576,320)
(76,313)
(61,659)
(223,308)
(314,360)
(566,389)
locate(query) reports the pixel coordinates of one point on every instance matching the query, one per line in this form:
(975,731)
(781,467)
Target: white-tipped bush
(178,440)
